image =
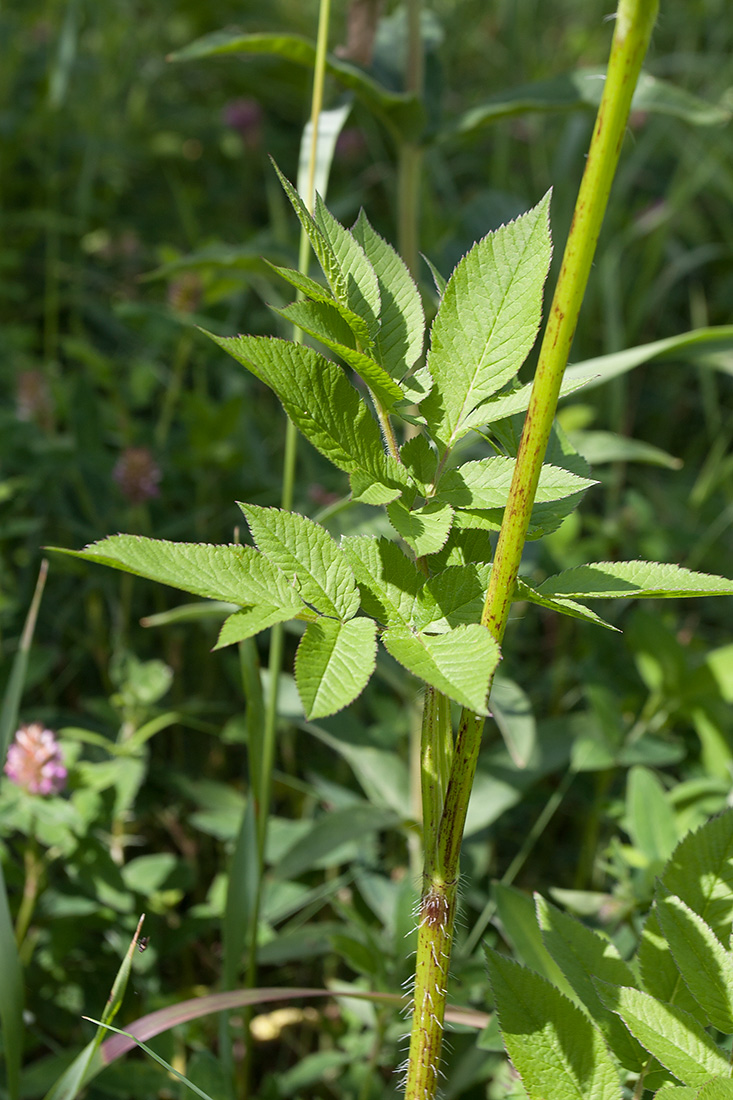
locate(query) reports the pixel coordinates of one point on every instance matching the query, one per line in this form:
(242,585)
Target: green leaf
(719,1088)
(583,954)
(420,459)
(460,664)
(517,401)
(360,279)
(555,1048)
(328,326)
(523,591)
(334,663)
(582,89)
(705,965)
(673,1036)
(650,819)
(250,621)
(401,112)
(454,596)
(389,581)
(234,573)
(601,447)
(320,400)
(518,918)
(401,320)
(329,125)
(308,556)
(485,483)
(320,244)
(424,529)
(331,832)
(701,345)
(607,580)
(487,321)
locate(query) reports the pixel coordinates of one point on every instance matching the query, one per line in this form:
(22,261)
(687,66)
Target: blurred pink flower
(137,474)
(34,761)
(244,116)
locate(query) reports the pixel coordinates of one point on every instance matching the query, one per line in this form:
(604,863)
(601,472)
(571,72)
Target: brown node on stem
(434,910)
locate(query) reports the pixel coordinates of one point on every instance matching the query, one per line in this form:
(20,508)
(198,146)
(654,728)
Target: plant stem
(634,23)
(265,753)
(410,157)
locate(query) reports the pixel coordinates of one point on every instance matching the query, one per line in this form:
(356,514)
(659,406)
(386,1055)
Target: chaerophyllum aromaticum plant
(437,594)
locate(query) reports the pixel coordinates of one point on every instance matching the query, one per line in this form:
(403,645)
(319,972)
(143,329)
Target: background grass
(136,200)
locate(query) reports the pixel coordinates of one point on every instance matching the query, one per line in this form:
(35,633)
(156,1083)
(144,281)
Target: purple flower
(137,474)
(244,116)
(34,761)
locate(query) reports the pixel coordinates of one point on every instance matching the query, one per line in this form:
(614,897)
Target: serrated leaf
(320,244)
(334,663)
(323,322)
(440,282)
(487,321)
(424,529)
(420,459)
(485,483)
(238,574)
(564,606)
(606,580)
(308,557)
(400,337)
(361,288)
(705,965)
(516,911)
(509,404)
(389,581)
(364,490)
(320,400)
(583,954)
(245,624)
(554,1047)
(460,664)
(673,1036)
(719,1088)
(454,596)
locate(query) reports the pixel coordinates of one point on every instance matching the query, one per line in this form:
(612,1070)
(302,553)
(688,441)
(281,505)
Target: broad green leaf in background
(334,663)
(706,346)
(557,1051)
(308,556)
(650,819)
(389,581)
(583,89)
(330,832)
(460,664)
(401,321)
(329,126)
(487,321)
(401,112)
(704,963)
(321,401)
(235,573)
(673,1036)
(583,954)
(612,579)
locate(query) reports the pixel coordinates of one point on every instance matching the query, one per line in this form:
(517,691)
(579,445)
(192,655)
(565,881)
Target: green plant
(584,1021)
(441,609)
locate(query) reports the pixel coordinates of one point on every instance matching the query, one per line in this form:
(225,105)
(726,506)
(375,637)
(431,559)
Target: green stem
(266,749)
(634,22)
(410,157)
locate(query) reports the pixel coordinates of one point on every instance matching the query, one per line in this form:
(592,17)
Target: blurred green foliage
(136,201)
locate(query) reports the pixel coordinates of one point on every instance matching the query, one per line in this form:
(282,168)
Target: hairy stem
(634,22)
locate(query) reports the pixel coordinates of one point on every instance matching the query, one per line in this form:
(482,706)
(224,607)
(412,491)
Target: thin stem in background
(634,23)
(410,156)
(262,784)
